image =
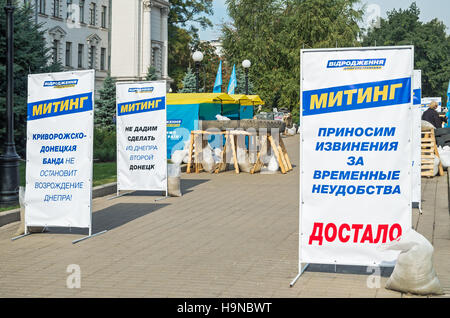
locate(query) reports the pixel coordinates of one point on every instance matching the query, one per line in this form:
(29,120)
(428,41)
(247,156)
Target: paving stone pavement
(228,236)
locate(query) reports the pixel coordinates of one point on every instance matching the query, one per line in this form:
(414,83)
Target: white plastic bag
(220,117)
(173,180)
(272,165)
(217,155)
(436,166)
(426,124)
(208,162)
(179,155)
(414,272)
(186,149)
(444,154)
(242,156)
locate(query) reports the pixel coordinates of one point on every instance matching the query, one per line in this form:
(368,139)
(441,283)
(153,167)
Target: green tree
(189,82)
(431,46)
(105,106)
(209,65)
(30,56)
(151,74)
(240,87)
(182,34)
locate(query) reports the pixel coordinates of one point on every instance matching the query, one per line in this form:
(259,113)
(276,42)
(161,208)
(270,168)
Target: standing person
(432,116)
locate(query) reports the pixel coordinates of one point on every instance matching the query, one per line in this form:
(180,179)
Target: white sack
(414,272)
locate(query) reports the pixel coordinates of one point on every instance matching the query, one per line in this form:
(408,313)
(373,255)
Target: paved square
(228,236)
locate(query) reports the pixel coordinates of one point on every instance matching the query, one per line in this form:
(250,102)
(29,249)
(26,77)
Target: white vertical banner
(59,167)
(141,136)
(417,140)
(355,153)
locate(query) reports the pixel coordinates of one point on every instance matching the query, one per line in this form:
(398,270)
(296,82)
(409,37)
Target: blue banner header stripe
(357,96)
(141,106)
(60,106)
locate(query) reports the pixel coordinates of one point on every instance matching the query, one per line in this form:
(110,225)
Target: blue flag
(233,82)
(448,96)
(218,83)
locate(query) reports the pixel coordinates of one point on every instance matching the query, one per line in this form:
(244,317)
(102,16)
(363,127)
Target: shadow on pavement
(350,269)
(112,217)
(185,184)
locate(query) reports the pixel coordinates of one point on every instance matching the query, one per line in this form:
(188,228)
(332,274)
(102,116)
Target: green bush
(104,145)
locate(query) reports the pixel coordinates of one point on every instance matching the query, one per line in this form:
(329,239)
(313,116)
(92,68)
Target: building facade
(78,33)
(120,37)
(139,39)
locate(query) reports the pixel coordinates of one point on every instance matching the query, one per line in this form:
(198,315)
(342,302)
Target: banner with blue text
(59,149)
(417,139)
(141,136)
(355,153)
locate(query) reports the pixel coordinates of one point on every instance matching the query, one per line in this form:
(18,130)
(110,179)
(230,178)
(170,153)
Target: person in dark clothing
(432,116)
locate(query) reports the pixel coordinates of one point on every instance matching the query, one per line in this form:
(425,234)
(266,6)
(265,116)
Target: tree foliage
(151,74)
(431,46)
(183,33)
(30,56)
(270,33)
(105,106)
(189,82)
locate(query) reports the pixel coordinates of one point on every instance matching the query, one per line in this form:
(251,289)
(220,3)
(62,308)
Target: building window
(55,51)
(103,16)
(92,13)
(102,58)
(80,55)
(42,6)
(92,51)
(56,8)
(68,53)
(81,11)
(69,9)
(156,60)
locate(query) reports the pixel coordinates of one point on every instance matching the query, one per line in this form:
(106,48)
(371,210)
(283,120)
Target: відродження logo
(357,64)
(61,84)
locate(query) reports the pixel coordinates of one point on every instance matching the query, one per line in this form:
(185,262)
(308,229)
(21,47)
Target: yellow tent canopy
(198,98)
(256,100)
(240,99)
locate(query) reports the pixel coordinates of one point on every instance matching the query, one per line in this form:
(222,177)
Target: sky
(429,9)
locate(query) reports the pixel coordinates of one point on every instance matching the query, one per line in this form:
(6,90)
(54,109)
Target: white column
(146,37)
(164,38)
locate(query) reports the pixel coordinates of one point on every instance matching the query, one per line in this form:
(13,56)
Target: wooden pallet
(429,153)
(276,144)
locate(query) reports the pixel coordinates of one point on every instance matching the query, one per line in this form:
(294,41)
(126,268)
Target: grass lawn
(104,172)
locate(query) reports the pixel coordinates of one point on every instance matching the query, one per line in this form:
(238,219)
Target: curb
(99,191)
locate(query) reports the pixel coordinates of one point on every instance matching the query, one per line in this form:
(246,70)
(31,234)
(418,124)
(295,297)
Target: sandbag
(242,156)
(208,162)
(217,155)
(272,165)
(444,154)
(427,124)
(436,166)
(179,155)
(414,272)
(174,180)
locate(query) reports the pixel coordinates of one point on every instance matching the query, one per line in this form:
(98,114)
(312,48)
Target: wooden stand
(278,149)
(429,153)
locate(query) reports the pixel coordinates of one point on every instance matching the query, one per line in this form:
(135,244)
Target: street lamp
(9,161)
(246,65)
(197,57)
